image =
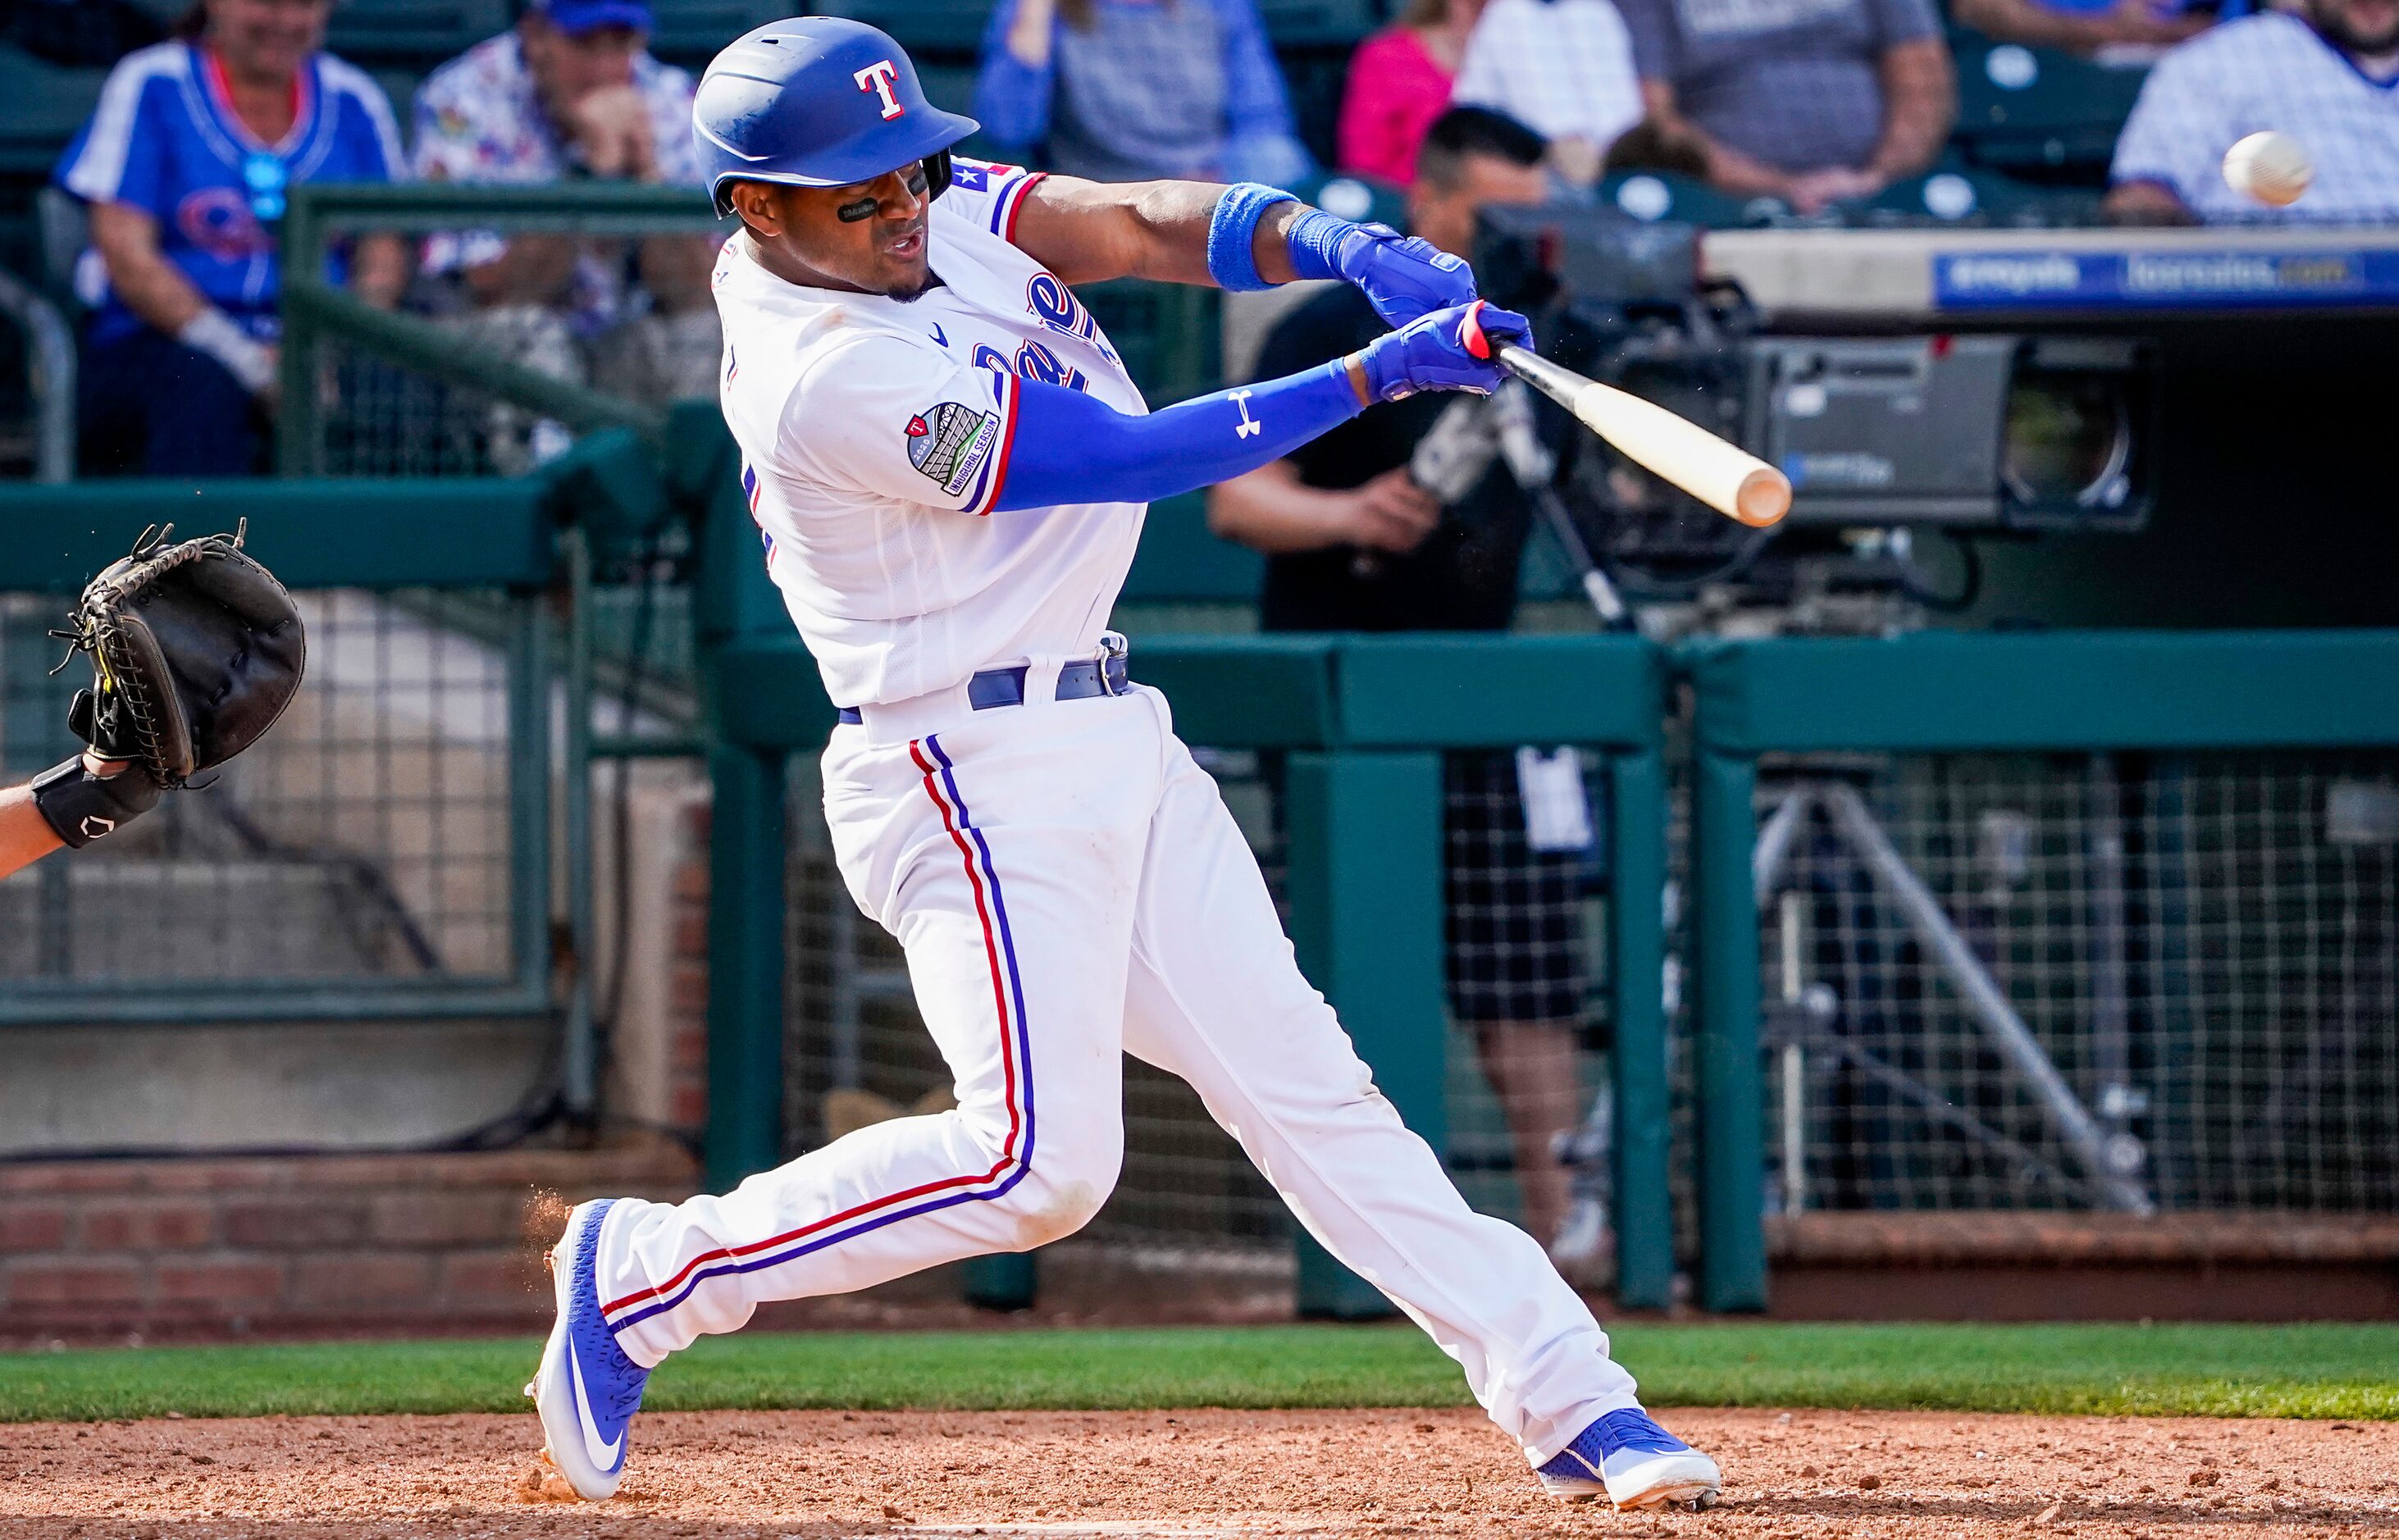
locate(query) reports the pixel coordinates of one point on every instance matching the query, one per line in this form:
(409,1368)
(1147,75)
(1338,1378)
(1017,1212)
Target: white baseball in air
(2270,166)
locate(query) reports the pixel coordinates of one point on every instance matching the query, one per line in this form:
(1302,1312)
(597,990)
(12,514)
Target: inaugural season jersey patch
(950,443)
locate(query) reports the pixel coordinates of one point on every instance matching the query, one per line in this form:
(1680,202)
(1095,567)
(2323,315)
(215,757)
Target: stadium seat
(1179,562)
(1665,194)
(2038,112)
(60,231)
(951,88)
(1362,199)
(1958,195)
(690,32)
(923,26)
(420,31)
(1300,23)
(48,106)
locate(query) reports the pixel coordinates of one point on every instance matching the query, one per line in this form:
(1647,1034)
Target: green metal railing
(1167,333)
(313,312)
(1938,693)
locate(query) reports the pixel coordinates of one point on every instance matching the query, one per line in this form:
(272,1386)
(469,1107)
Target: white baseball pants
(1069,887)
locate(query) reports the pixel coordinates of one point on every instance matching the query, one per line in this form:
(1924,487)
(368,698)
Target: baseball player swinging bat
(950,465)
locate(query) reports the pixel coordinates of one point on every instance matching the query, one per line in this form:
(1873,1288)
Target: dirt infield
(1789,1476)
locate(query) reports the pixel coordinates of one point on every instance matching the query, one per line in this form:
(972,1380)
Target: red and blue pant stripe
(1015,1159)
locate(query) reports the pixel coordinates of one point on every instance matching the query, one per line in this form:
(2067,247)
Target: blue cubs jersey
(165,139)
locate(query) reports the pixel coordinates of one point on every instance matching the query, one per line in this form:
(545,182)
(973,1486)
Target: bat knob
(1469,330)
(1763,498)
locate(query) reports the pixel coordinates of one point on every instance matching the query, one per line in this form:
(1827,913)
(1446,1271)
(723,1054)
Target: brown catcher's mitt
(197,648)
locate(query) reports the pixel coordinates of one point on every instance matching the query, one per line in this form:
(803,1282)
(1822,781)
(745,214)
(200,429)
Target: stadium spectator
(1813,102)
(1123,90)
(573,93)
(1353,543)
(1399,82)
(2328,76)
(2085,26)
(1564,66)
(184,168)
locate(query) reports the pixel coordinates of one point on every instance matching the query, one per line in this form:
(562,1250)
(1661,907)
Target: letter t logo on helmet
(877,78)
(786,103)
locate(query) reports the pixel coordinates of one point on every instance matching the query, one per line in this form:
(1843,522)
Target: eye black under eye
(851,212)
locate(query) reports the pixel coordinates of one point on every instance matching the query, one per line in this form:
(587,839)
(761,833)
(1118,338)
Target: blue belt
(996,687)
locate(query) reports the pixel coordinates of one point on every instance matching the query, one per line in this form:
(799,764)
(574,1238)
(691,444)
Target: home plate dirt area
(824,1474)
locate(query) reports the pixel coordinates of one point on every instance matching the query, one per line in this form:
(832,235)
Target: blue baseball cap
(576,17)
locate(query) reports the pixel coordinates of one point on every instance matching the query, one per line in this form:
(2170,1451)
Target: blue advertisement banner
(2032,279)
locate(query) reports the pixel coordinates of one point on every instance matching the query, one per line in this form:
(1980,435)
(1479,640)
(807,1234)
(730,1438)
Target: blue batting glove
(1451,349)
(1402,276)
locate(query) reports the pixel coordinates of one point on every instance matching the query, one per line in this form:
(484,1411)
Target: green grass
(2212,1371)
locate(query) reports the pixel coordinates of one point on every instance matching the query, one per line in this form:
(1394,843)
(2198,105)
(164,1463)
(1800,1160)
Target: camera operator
(1354,544)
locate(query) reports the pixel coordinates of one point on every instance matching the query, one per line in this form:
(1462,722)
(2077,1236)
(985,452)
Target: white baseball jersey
(874,437)
(2269,71)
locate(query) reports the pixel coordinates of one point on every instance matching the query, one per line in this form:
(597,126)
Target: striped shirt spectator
(1564,67)
(1814,101)
(2319,78)
(1129,91)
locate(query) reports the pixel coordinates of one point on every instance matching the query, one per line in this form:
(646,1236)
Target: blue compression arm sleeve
(1068,448)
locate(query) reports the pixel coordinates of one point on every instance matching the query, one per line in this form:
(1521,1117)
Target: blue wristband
(1315,244)
(1232,229)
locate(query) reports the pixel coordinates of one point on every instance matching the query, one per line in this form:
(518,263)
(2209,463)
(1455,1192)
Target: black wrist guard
(80,807)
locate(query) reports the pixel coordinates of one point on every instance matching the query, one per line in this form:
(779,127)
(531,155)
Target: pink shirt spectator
(1396,90)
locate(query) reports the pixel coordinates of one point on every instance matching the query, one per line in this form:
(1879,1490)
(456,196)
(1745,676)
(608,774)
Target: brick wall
(658,1070)
(687,976)
(2042,1266)
(199,1247)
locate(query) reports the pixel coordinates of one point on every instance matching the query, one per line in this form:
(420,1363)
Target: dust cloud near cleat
(586,1390)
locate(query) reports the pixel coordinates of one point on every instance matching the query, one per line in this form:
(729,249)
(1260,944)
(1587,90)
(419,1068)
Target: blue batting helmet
(817,101)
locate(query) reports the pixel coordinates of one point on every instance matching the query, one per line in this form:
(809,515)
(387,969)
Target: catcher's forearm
(81,806)
(68,804)
(25,835)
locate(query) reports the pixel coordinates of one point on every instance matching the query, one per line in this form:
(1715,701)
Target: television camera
(1884,438)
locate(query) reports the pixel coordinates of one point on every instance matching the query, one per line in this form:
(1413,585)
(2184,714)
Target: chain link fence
(2161,980)
(378,837)
(856,1052)
(375,416)
(1524,1144)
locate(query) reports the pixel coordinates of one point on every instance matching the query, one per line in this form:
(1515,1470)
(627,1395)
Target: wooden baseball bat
(1731,480)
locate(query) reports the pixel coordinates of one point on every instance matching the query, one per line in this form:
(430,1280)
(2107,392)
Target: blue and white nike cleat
(586,1390)
(1634,1463)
